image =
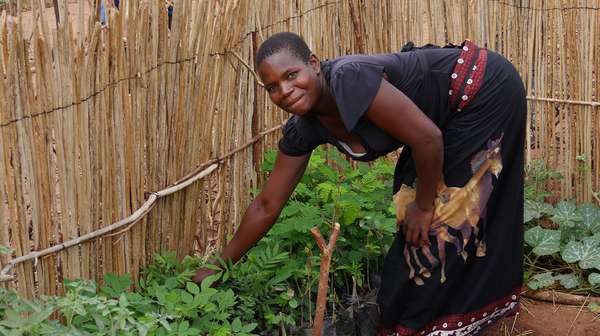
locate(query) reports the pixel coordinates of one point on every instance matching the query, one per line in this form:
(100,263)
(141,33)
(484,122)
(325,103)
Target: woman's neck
(325,106)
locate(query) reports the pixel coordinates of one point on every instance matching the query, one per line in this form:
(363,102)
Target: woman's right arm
(265,208)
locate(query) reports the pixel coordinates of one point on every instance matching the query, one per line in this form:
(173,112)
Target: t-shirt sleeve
(354,86)
(299,137)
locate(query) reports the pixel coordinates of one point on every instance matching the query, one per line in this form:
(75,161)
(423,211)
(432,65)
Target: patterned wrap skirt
(471,274)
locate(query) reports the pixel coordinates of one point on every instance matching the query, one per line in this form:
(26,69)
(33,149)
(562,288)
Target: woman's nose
(286,89)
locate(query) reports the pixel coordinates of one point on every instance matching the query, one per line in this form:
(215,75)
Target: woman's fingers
(416,229)
(412,234)
(425,236)
(416,234)
(201,274)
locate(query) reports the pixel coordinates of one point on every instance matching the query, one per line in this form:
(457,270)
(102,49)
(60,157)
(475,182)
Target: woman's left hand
(416,225)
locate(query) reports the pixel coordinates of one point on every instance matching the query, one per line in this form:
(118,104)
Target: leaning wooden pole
(326,252)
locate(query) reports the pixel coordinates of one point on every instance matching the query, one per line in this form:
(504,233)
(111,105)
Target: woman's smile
(291,83)
(294,101)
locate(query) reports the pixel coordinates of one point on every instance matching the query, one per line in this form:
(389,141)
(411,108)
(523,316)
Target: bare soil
(544,318)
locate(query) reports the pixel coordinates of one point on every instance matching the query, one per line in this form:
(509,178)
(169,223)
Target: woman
(456,264)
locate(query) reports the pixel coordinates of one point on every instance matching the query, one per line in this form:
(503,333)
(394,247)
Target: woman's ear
(314,63)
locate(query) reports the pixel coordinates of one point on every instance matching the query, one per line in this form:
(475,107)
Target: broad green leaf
(565,214)
(586,253)
(542,280)
(5,250)
(192,288)
(209,281)
(568,281)
(203,298)
(183,326)
(575,233)
(123,303)
(236,325)
(543,241)
(535,210)
(165,324)
(593,239)
(249,327)
(590,216)
(171,283)
(186,297)
(594,279)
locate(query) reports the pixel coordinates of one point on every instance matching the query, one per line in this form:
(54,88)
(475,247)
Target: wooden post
(326,252)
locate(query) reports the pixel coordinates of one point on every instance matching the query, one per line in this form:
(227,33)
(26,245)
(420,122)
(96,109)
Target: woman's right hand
(202,274)
(264,209)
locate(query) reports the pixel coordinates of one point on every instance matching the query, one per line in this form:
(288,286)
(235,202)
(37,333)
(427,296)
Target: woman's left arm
(395,113)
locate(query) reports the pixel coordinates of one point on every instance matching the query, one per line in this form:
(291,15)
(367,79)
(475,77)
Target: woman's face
(291,84)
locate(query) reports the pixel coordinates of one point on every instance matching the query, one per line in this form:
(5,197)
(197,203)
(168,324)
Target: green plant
(331,190)
(165,303)
(5,250)
(262,283)
(274,287)
(562,241)
(537,177)
(358,198)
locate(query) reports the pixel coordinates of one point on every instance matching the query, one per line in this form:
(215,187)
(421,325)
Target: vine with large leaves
(562,241)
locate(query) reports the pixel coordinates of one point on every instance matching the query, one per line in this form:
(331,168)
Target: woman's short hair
(283,41)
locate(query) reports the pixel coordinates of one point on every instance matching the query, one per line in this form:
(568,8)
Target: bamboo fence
(94,120)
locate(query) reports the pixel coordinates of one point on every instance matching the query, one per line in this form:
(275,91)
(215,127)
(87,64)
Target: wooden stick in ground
(326,252)
(559,297)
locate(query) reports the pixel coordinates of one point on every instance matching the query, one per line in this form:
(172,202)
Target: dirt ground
(543,318)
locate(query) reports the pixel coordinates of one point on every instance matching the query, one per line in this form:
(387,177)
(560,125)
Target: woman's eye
(270,89)
(292,75)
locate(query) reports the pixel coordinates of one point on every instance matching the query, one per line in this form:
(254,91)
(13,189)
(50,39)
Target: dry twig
(577,316)
(560,298)
(326,252)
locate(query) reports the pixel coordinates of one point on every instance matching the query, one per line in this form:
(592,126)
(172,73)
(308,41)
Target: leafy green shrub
(331,190)
(562,241)
(360,199)
(164,304)
(273,287)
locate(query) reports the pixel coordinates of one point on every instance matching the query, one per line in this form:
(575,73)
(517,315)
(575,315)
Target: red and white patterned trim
(467,75)
(465,324)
